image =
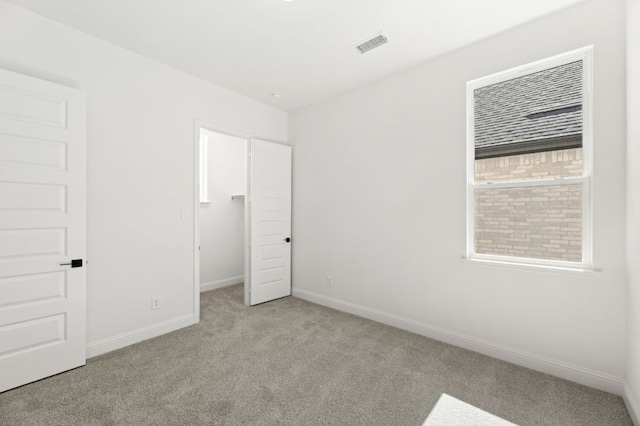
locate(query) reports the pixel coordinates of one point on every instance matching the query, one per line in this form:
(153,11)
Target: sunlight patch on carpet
(451,411)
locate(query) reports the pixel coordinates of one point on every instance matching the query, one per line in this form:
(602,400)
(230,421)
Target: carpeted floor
(294,363)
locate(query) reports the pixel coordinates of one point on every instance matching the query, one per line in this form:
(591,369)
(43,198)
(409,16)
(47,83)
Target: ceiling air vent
(372,43)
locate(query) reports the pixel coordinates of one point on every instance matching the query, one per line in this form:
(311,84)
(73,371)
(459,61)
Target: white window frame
(204,172)
(584,54)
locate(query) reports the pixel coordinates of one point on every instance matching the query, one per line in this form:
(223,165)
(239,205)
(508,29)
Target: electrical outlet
(329,281)
(155,303)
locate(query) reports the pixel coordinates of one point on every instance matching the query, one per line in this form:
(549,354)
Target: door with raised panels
(270,221)
(42,229)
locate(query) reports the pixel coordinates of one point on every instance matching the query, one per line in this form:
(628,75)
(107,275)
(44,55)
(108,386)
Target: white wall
(633,207)
(222,220)
(379,204)
(140,168)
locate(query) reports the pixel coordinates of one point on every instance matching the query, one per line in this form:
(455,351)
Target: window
(204,174)
(529,164)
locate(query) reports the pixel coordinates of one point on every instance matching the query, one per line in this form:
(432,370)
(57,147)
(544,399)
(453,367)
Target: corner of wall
(632,403)
(632,383)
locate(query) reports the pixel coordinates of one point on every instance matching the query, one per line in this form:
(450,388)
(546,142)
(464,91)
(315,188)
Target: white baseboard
(574,373)
(116,342)
(632,403)
(212,285)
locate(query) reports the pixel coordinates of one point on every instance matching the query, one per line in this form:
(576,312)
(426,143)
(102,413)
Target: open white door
(270,221)
(42,229)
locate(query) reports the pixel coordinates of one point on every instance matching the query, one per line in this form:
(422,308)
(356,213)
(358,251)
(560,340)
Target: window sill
(547,269)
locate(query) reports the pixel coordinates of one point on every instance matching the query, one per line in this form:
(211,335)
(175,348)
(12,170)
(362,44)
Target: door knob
(287,240)
(75,263)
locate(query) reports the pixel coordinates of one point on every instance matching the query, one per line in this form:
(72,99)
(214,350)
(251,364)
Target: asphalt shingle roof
(538,106)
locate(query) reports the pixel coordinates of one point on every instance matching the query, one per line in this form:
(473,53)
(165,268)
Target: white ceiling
(302,48)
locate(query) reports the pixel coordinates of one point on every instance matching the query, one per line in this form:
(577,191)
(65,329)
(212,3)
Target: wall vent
(372,43)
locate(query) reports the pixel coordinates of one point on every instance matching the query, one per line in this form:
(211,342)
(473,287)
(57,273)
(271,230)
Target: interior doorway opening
(223,233)
(242,229)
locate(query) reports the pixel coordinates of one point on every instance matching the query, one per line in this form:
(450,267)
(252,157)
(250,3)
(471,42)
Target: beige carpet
(294,363)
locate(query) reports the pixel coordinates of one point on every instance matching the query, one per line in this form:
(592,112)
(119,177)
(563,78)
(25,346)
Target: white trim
(512,263)
(225,130)
(632,403)
(531,183)
(204,168)
(196,220)
(585,55)
(587,155)
(530,68)
(212,285)
(276,141)
(575,373)
(125,339)
(497,260)
(247,225)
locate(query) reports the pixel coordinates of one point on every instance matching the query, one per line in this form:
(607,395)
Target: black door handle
(287,240)
(75,263)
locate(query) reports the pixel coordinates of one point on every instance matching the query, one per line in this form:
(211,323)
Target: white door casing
(269,221)
(42,224)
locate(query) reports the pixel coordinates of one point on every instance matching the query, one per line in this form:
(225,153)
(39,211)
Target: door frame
(199,125)
(217,128)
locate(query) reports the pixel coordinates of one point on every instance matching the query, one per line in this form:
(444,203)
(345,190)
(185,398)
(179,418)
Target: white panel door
(270,221)
(42,227)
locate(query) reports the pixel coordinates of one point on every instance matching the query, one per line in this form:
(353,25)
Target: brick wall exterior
(542,222)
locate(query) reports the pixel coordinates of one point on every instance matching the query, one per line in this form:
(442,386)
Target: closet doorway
(243,229)
(223,213)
